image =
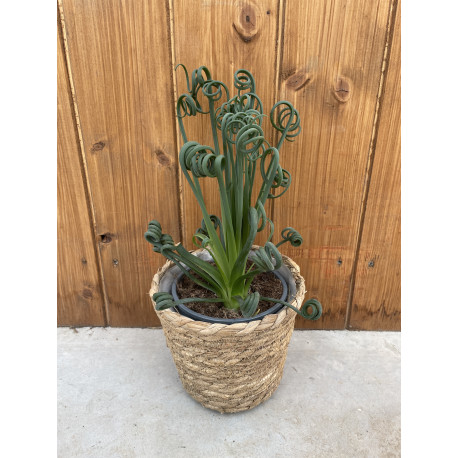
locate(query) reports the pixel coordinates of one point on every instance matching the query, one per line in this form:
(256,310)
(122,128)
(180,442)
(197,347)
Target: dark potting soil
(266,284)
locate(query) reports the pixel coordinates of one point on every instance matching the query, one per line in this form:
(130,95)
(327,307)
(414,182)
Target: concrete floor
(119,395)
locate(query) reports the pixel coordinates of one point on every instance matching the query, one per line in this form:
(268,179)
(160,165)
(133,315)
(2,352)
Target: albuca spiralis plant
(240,151)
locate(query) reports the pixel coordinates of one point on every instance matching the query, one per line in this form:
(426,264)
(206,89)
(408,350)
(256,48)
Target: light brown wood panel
(121,70)
(376,303)
(330,70)
(79,292)
(225,36)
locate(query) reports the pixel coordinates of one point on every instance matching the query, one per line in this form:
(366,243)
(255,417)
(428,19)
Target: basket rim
(187,324)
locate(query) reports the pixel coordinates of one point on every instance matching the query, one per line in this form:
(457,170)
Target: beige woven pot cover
(230,368)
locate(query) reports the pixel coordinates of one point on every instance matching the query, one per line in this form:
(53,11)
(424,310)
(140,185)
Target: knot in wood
(163,158)
(298,80)
(246,21)
(97,147)
(106,237)
(342,89)
(87,293)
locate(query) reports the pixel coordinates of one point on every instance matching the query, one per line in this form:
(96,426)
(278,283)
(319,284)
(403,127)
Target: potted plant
(227,337)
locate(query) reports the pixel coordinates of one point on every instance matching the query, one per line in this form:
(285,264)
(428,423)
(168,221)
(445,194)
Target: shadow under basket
(235,367)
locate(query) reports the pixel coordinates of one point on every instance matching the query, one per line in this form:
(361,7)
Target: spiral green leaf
(163,300)
(316,311)
(290,235)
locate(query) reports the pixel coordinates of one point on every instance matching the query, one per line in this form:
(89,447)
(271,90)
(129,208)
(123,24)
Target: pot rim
(195,327)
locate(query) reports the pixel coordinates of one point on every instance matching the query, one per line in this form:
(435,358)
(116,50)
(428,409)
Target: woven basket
(230,368)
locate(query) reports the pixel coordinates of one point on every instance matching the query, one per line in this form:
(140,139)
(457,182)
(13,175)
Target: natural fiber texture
(234,367)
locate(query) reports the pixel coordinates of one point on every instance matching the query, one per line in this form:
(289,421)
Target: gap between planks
(172,54)
(277,83)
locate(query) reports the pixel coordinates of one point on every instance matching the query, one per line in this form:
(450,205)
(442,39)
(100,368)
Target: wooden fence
(337,61)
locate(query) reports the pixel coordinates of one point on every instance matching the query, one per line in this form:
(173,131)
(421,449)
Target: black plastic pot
(199,317)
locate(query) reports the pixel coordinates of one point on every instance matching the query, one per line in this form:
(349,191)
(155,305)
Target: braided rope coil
(230,368)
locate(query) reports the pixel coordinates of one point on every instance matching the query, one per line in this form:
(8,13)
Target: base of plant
(268,284)
(282,289)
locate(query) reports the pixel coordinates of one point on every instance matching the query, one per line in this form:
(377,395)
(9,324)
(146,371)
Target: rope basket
(230,368)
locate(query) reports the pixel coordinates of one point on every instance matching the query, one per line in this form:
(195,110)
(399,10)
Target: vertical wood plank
(224,36)
(79,292)
(331,65)
(120,65)
(376,303)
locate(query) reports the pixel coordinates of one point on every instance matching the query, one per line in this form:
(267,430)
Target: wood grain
(330,70)
(225,36)
(79,291)
(120,66)
(376,303)
(327,58)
